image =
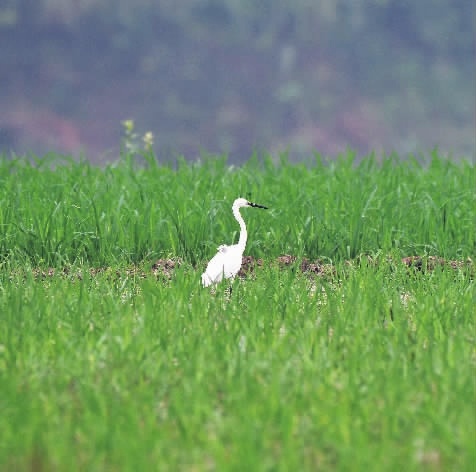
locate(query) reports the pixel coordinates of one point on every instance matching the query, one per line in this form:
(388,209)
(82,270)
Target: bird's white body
(227,261)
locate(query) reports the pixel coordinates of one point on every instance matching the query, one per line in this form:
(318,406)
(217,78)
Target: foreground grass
(371,368)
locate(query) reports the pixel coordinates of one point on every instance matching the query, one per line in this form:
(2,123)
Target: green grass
(369,369)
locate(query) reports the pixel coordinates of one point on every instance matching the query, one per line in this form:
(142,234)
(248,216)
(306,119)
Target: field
(347,344)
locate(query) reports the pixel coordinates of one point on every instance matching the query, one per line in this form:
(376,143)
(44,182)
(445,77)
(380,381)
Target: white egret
(227,261)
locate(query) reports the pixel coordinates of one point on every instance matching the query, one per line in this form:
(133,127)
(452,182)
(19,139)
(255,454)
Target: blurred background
(238,76)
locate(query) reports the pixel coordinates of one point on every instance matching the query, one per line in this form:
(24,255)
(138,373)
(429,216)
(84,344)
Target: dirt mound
(429,263)
(165,268)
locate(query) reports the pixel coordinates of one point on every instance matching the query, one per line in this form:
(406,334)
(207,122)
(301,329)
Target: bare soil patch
(164,268)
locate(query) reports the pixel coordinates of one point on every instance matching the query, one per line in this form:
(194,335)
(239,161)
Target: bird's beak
(256,205)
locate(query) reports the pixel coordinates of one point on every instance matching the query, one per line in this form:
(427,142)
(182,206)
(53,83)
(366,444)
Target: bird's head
(242,202)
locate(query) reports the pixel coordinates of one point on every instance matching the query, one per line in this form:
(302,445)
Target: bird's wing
(215,269)
(225,263)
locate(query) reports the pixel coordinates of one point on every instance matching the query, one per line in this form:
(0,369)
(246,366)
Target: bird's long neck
(243,232)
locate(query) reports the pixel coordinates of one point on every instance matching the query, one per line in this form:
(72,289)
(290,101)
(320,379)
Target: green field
(110,361)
